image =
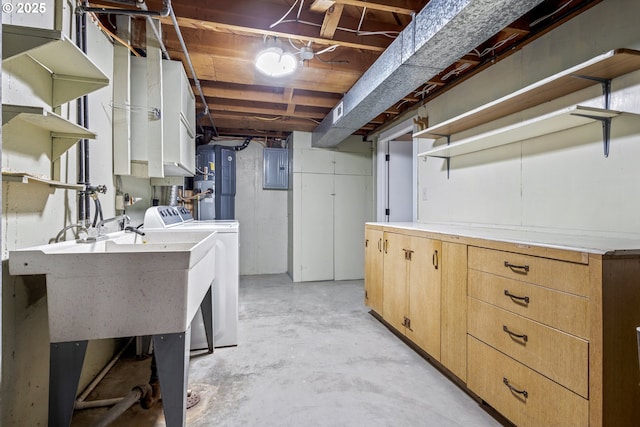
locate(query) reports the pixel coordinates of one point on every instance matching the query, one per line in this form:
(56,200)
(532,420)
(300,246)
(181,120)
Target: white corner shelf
(600,69)
(543,125)
(64,134)
(27,178)
(73,74)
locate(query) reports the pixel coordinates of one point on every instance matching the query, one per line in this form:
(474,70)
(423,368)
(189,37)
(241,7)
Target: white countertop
(574,240)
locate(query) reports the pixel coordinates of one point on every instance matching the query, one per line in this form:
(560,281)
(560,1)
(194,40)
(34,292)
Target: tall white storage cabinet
(174,154)
(330,200)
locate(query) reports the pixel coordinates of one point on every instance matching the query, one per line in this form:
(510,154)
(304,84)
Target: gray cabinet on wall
(330,200)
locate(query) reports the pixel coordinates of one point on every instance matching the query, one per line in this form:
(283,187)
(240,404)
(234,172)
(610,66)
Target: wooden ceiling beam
(377,6)
(331,19)
(246,48)
(270,97)
(244,16)
(218,107)
(303,35)
(229,70)
(240,121)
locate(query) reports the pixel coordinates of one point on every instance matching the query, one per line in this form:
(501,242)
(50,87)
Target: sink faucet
(123,220)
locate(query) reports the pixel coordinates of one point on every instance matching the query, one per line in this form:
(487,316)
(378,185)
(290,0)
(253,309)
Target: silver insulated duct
(443,32)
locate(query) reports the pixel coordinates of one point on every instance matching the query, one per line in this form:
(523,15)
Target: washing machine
(226,282)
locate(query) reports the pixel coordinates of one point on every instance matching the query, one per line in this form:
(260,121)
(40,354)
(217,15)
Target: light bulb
(274,62)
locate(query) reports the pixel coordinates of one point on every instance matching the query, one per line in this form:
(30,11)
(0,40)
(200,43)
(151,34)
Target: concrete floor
(309,354)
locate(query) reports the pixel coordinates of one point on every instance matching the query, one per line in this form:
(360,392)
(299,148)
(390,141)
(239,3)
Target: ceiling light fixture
(275,62)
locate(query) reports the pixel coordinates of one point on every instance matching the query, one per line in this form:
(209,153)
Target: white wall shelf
(543,125)
(27,178)
(600,69)
(73,74)
(64,134)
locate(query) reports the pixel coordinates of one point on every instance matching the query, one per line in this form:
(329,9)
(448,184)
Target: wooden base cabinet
(551,336)
(453,312)
(373,272)
(543,332)
(411,288)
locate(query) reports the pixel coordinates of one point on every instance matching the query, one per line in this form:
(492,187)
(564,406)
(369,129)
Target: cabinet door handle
(513,389)
(523,337)
(385,245)
(517,267)
(435,259)
(380,245)
(366,243)
(407,254)
(512,296)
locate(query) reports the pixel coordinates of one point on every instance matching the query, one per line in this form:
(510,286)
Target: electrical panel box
(275,169)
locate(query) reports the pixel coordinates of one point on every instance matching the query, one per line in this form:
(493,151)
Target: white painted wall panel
(353,201)
(560,180)
(316,230)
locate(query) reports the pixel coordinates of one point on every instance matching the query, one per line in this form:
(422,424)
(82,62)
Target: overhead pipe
(82,115)
(166,8)
(193,72)
(143,5)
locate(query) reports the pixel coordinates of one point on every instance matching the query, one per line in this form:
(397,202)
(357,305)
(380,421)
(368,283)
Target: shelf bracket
(606,121)
(606,130)
(448,143)
(606,87)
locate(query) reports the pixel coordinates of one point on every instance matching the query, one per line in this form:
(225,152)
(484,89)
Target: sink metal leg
(65,366)
(206,307)
(172,360)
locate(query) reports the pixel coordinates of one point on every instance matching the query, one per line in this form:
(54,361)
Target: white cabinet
(330,200)
(178,121)
(176,114)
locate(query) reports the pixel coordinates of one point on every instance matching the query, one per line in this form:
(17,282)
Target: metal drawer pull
(516,267)
(513,389)
(512,296)
(521,336)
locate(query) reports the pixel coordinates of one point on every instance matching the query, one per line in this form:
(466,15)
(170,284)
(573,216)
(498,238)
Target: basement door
(399,203)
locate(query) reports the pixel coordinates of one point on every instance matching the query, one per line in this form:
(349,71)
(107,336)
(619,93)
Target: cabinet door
(352,209)
(395,267)
(424,294)
(373,273)
(453,327)
(316,227)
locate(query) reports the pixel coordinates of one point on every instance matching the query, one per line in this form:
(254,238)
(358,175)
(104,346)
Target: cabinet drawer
(550,273)
(546,403)
(560,310)
(555,354)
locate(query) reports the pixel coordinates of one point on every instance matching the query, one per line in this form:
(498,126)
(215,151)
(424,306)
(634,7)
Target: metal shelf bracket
(606,121)
(606,131)
(448,143)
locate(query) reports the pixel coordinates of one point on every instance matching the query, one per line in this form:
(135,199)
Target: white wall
(262,215)
(32,215)
(560,180)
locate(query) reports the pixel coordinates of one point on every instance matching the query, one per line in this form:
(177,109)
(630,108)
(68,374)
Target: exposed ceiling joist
(325,5)
(331,19)
(377,6)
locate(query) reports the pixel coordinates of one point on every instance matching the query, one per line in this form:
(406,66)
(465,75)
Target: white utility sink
(124,285)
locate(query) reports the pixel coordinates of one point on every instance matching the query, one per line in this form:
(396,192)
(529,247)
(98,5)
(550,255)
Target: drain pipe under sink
(80,402)
(137,393)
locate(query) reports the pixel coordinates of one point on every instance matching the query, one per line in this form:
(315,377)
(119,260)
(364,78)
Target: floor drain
(193,399)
